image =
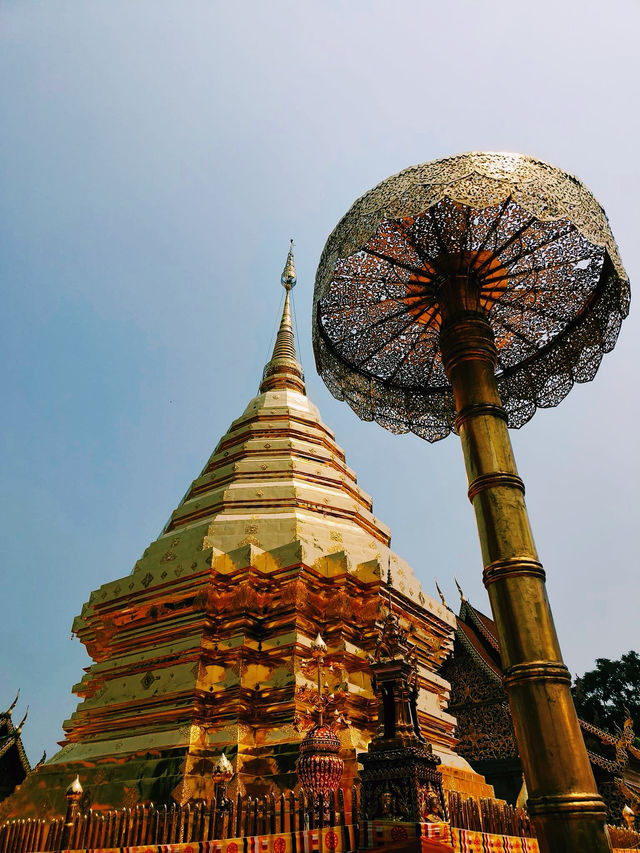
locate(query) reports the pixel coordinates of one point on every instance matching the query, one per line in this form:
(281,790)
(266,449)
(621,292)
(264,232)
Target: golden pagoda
(202,648)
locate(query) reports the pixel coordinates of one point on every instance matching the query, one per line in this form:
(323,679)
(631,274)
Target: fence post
(238,815)
(230,823)
(292,812)
(272,814)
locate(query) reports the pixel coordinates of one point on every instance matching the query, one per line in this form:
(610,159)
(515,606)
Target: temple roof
(478,634)
(14,764)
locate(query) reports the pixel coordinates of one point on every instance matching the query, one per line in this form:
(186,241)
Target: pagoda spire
(284,370)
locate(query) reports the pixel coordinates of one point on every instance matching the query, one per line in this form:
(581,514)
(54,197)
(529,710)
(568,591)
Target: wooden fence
(246,816)
(148,824)
(623,838)
(491,816)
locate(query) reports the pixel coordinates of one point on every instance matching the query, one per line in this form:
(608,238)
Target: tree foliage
(602,695)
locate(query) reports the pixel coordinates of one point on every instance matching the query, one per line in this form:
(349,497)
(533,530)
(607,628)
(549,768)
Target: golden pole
(563,799)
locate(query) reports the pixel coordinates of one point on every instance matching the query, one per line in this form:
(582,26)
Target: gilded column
(563,798)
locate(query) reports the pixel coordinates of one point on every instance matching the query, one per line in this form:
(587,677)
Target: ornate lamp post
(461,295)
(319,765)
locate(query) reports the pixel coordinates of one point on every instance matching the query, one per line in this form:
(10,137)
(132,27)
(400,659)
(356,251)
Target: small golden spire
(389,584)
(288,277)
(284,370)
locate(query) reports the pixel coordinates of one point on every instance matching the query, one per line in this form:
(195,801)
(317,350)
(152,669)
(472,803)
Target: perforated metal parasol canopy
(547,274)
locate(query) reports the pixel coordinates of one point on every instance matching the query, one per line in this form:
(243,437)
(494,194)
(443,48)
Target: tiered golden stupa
(201,648)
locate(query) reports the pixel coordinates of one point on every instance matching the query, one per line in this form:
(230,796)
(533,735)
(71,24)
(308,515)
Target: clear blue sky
(155,158)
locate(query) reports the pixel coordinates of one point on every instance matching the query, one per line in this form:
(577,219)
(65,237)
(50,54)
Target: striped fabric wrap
(388,834)
(470,841)
(338,839)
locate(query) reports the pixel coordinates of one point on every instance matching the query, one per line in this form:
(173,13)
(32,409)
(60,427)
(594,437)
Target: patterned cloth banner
(337,839)
(392,834)
(378,833)
(469,841)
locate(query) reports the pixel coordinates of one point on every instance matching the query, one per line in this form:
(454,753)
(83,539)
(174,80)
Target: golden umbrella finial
(461,295)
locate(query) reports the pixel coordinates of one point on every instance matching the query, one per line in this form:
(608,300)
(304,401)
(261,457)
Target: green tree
(602,695)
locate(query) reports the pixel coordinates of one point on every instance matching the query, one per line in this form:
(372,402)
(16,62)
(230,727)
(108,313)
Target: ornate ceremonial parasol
(461,295)
(545,268)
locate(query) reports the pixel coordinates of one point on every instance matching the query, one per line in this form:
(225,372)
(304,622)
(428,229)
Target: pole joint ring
(513,568)
(476,409)
(492,480)
(562,805)
(536,670)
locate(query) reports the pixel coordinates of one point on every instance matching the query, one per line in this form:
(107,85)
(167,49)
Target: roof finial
(442,598)
(288,277)
(7,713)
(462,596)
(283,370)
(22,721)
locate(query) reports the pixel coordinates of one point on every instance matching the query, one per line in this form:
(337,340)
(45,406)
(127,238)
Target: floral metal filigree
(547,269)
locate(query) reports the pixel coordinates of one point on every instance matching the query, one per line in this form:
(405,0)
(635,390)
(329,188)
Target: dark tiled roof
(478,634)
(14,764)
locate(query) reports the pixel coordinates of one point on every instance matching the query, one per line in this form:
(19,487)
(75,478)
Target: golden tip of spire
(288,277)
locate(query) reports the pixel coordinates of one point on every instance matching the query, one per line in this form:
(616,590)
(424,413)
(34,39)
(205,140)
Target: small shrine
(400,777)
